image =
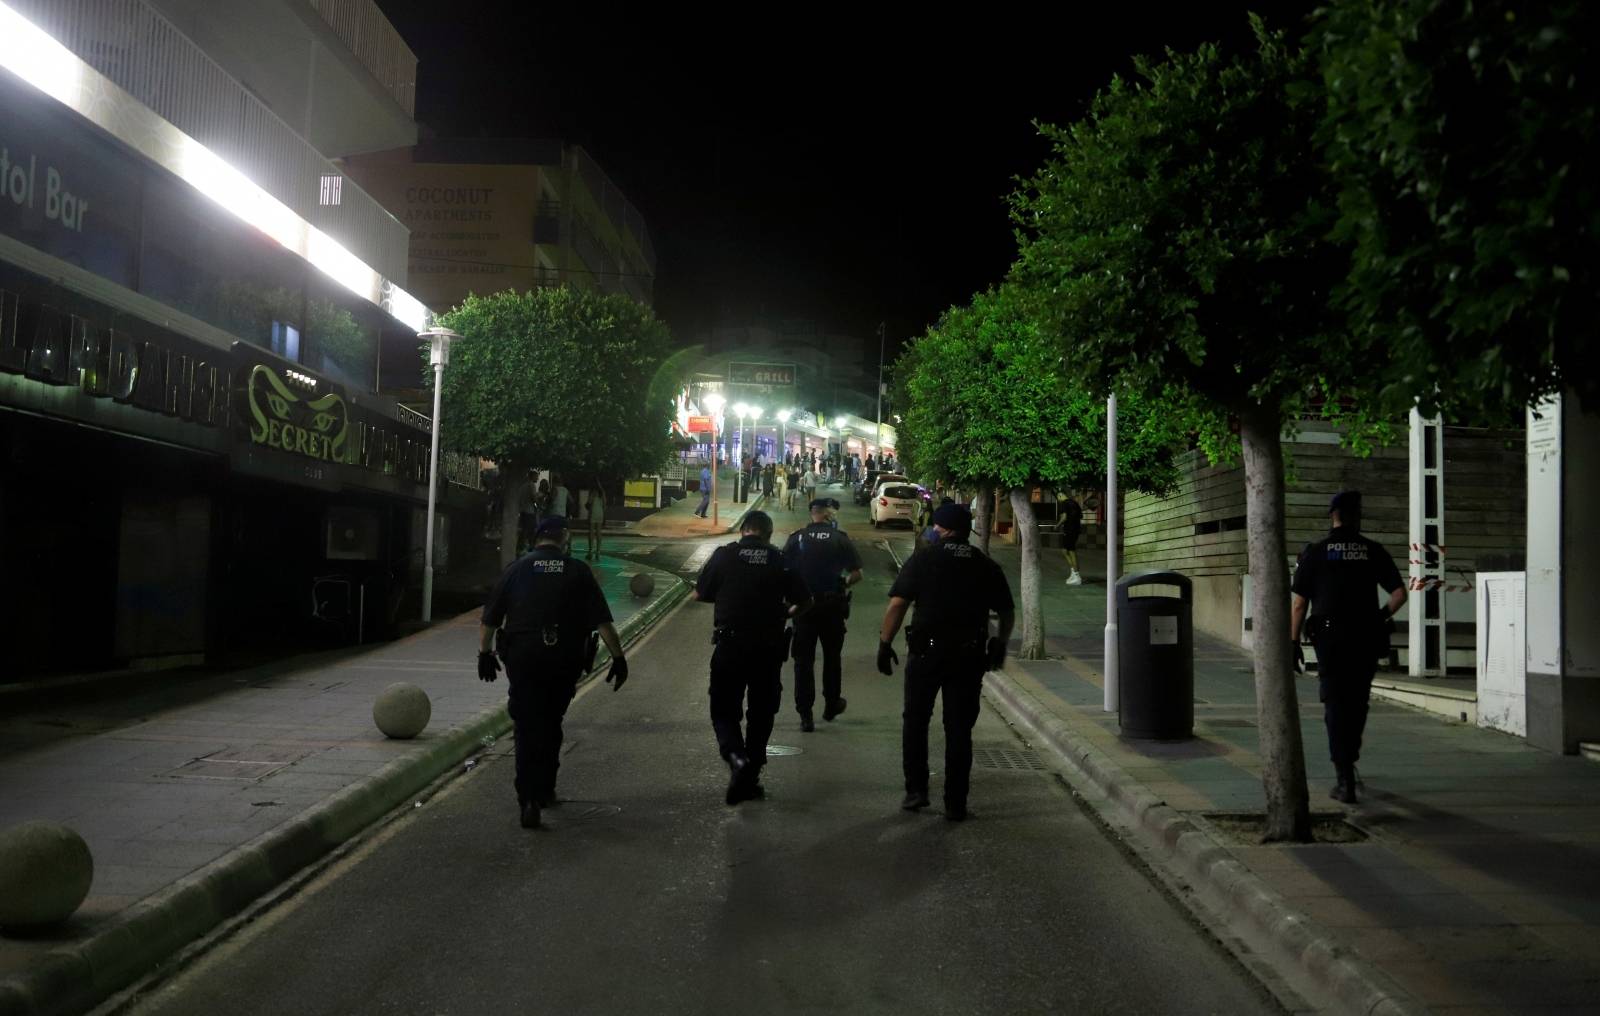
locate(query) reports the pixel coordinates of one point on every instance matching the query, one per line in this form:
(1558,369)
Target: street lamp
(783,437)
(742,411)
(439,340)
(714,402)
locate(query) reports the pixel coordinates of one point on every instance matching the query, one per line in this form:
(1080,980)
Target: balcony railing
(374,41)
(144,54)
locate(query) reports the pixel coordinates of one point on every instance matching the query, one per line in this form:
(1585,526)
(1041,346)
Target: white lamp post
(783,435)
(714,403)
(742,411)
(439,340)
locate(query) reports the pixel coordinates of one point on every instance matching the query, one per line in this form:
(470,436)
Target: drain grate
(1006,758)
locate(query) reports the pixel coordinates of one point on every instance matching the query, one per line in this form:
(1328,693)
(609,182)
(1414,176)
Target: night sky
(847,173)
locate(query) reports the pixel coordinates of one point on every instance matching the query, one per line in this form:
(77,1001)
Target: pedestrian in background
(1071,526)
(754,593)
(769,478)
(527,511)
(705,491)
(542,611)
(560,497)
(953,587)
(1335,577)
(794,483)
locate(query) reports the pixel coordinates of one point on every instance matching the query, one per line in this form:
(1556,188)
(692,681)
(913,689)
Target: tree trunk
(983,521)
(1283,758)
(1032,603)
(510,516)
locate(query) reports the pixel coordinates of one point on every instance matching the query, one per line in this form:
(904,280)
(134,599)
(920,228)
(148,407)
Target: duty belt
(919,644)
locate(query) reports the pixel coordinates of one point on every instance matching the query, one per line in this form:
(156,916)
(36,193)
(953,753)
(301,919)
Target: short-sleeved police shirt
(821,553)
(751,587)
(547,588)
(1338,572)
(953,586)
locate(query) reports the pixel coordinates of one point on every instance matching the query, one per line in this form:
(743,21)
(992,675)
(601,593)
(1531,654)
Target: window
(286,341)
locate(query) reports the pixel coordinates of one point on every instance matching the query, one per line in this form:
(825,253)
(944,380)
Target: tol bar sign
(20,183)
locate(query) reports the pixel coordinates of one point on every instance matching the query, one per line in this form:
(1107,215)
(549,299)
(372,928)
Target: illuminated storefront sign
(275,406)
(775,374)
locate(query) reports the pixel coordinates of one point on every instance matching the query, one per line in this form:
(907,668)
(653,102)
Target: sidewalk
(196,797)
(678,520)
(1477,889)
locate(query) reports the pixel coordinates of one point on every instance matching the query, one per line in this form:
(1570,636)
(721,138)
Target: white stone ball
(642,584)
(402,710)
(45,872)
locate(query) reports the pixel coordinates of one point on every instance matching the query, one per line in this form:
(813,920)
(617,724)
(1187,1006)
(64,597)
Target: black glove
(1299,657)
(887,658)
(618,674)
(488,666)
(997,652)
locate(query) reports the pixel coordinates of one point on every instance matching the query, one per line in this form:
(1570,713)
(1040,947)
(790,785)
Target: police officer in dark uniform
(824,556)
(545,606)
(954,587)
(755,593)
(1336,576)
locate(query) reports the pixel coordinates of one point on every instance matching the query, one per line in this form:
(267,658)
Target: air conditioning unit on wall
(353,534)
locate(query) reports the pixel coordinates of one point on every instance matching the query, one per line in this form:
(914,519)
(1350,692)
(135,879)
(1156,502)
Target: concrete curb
(1289,940)
(76,977)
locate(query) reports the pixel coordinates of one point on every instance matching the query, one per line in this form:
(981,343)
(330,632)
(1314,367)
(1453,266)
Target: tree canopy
(560,378)
(987,401)
(1465,142)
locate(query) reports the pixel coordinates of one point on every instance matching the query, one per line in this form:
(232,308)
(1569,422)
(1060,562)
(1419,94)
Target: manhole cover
(231,769)
(1006,758)
(783,749)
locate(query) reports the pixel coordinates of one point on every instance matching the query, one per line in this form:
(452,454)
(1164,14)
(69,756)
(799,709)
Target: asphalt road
(646,894)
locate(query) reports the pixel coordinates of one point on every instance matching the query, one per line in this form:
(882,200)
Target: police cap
(1346,503)
(552,526)
(824,502)
(953,517)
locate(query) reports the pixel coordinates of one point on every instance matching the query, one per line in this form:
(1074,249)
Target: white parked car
(896,499)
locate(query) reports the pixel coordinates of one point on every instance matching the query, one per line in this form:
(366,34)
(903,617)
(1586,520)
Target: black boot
(914,800)
(1344,791)
(530,815)
(807,724)
(834,708)
(737,764)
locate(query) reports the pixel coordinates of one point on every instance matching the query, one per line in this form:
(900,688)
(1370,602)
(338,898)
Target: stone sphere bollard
(45,872)
(642,584)
(402,710)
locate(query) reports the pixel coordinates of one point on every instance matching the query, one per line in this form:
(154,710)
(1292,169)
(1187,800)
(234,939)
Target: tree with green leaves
(987,404)
(1177,239)
(565,379)
(1465,142)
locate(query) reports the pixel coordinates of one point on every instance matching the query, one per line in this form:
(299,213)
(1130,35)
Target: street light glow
(714,402)
(755,412)
(784,414)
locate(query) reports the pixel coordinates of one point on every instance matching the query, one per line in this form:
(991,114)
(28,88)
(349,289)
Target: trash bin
(1155,658)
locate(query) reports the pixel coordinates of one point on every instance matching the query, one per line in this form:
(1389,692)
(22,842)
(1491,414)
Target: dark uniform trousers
(542,681)
(741,667)
(1346,664)
(956,672)
(823,623)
